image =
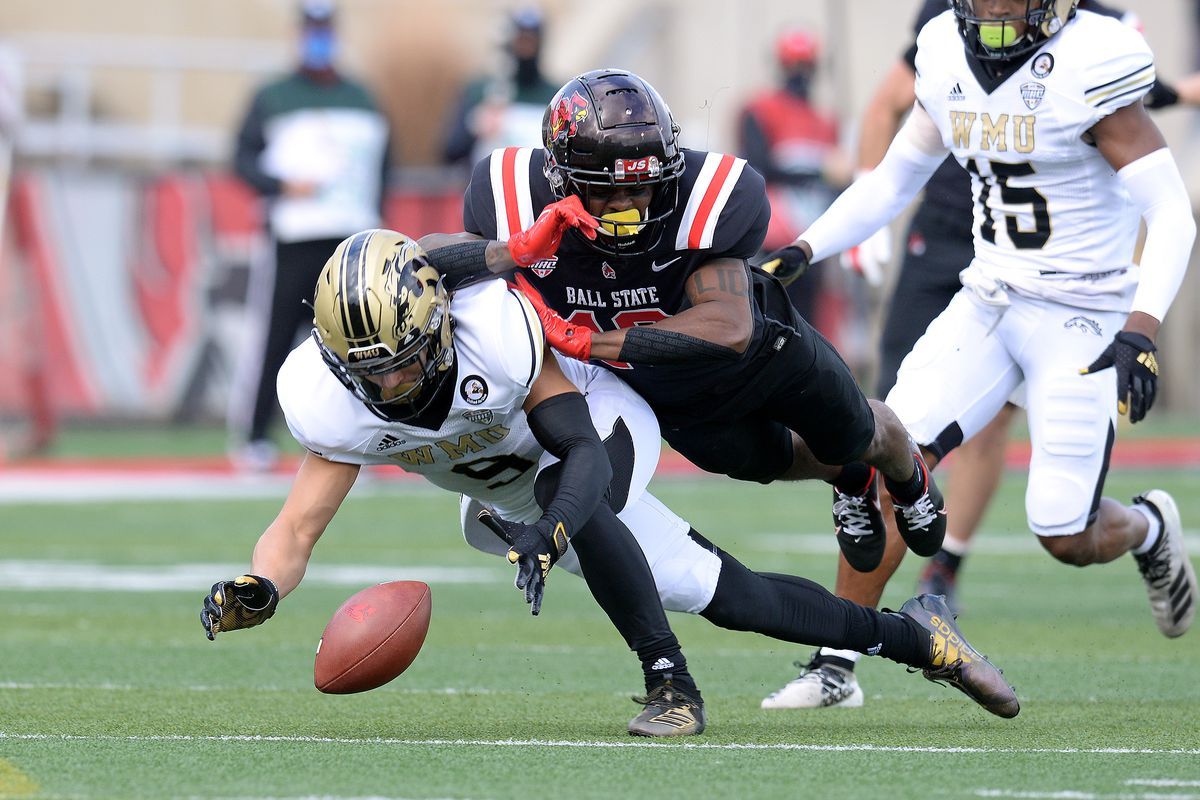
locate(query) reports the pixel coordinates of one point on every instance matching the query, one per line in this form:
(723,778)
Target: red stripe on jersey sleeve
(696,232)
(508,175)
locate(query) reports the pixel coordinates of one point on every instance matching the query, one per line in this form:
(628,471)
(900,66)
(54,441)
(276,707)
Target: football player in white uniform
(463,390)
(1043,108)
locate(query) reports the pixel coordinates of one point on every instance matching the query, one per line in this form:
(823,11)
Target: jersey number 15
(998,174)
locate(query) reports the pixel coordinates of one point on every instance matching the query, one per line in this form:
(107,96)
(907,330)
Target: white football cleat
(820,685)
(1169,576)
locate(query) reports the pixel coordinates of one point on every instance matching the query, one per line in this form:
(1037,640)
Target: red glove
(542,239)
(565,337)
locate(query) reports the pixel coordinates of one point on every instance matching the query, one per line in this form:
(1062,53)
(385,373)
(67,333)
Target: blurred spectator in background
(315,146)
(795,147)
(503,110)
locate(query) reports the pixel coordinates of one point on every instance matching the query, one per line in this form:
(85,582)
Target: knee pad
(1069,460)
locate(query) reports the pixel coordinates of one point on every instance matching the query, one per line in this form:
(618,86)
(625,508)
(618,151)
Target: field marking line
(1072,794)
(121,687)
(91,576)
(830,748)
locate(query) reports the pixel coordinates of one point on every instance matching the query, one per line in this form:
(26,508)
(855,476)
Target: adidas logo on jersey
(388,442)
(663,663)
(956,94)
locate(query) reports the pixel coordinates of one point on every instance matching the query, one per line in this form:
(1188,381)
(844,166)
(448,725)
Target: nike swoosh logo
(660,267)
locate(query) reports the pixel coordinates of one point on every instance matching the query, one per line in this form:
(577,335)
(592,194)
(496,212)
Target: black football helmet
(607,128)
(996,39)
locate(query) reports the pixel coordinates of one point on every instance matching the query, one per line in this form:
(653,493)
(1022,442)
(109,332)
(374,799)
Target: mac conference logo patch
(474,389)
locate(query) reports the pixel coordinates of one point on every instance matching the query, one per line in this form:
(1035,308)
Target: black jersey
(722,213)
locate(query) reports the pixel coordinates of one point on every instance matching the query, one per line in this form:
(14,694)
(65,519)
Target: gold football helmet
(381,313)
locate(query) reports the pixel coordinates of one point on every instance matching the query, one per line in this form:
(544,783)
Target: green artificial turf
(115,693)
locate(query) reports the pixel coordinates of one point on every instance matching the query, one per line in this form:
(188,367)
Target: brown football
(373,637)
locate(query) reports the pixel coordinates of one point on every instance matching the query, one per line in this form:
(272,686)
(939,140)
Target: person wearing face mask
(503,109)
(794,145)
(315,146)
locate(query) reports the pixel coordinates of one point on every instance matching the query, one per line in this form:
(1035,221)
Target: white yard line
(89,576)
(1070,794)
(824,748)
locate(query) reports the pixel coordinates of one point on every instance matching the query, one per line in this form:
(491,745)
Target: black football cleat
(954,661)
(858,524)
(922,523)
(668,711)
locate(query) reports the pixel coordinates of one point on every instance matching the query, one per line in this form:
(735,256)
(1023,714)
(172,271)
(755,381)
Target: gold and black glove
(1132,355)
(243,602)
(787,263)
(532,550)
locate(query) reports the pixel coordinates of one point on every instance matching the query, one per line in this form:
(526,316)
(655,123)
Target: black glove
(787,263)
(243,602)
(532,550)
(1160,95)
(1137,372)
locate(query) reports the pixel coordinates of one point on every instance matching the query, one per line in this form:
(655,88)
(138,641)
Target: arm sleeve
(562,424)
(879,196)
(251,142)
(1156,188)
(461,263)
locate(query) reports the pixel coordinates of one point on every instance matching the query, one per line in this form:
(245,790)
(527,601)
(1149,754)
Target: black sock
(853,478)
(795,609)
(677,674)
(909,491)
(948,560)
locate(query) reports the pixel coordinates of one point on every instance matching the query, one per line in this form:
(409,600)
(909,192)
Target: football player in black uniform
(664,296)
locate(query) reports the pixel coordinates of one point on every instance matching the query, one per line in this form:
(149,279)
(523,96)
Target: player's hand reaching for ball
(532,549)
(243,602)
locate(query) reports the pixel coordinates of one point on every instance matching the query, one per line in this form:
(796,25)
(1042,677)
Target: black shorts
(796,382)
(936,251)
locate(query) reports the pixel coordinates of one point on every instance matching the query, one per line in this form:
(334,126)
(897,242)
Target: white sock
(1152,533)
(955,546)
(849,655)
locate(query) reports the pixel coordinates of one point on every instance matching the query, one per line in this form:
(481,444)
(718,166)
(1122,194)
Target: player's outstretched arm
(878,197)
(282,552)
(569,491)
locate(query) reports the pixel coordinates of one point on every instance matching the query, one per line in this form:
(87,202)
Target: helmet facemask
(609,129)
(998,40)
(380,307)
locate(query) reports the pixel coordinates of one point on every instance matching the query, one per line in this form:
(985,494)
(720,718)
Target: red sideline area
(1135,453)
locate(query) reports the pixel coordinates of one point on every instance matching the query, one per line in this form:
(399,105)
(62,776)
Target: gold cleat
(954,661)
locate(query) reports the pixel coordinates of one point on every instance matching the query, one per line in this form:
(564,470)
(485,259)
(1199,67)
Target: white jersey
(484,449)
(1051,218)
